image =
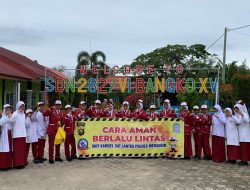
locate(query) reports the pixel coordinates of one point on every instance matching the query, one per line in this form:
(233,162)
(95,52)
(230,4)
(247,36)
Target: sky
(54,32)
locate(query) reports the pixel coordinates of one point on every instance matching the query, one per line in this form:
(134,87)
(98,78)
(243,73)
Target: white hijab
(218,107)
(19,104)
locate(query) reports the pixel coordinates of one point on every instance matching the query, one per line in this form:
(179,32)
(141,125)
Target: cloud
(17,35)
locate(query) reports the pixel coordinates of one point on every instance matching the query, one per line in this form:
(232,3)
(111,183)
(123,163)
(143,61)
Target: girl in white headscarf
(244,134)
(218,135)
(19,136)
(5,139)
(232,136)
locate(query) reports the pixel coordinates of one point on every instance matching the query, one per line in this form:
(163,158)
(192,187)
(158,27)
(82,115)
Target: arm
(222,118)
(47,113)
(245,118)
(237,120)
(34,116)
(4,120)
(14,117)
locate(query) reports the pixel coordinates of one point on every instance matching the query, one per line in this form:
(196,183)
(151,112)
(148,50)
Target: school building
(22,79)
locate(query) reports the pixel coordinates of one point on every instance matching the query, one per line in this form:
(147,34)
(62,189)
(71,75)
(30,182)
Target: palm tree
(97,58)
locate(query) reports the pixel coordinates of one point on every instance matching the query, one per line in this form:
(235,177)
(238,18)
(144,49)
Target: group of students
(24,128)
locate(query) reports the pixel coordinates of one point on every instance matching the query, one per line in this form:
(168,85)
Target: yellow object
(60,136)
(129,138)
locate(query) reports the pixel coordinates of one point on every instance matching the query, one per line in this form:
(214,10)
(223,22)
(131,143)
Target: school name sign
(135,84)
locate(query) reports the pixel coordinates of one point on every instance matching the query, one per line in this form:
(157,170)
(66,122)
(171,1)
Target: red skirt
(19,151)
(233,152)
(218,149)
(6,157)
(245,151)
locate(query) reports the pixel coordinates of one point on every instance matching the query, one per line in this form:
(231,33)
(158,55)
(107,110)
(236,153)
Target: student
(186,116)
(197,128)
(41,130)
(153,114)
(55,120)
(109,111)
(69,127)
(139,113)
(19,136)
(232,136)
(125,112)
(5,139)
(167,111)
(32,137)
(95,111)
(244,133)
(80,112)
(206,120)
(218,135)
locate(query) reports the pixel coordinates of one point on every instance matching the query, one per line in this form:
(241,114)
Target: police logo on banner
(176,128)
(83,144)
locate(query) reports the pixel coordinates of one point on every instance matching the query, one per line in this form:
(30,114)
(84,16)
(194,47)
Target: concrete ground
(121,173)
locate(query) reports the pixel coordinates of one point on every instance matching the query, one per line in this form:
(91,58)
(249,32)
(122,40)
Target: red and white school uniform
(218,136)
(187,117)
(153,115)
(32,137)
(197,127)
(232,137)
(168,113)
(41,133)
(80,114)
(69,128)
(139,114)
(94,112)
(244,136)
(5,142)
(206,121)
(108,114)
(19,137)
(55,116)
(125,114)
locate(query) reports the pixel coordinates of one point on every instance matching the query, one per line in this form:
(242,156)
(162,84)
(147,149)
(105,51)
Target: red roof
(20,66)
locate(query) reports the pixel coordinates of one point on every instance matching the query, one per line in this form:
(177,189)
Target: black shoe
(41,161)
(196,158)
(36,161)
(44,159)
(207,158)
(59,160)
(51,161)
(242,163)
(74,157)
(69,159)
(186,158)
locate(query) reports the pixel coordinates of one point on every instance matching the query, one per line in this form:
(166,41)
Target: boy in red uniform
(81,110)
(197,128)
(125,112)
(206,120)
(153,113)
(95,111)
(186,116)
(55,119)
(139,113)
(167,111)
(69,127)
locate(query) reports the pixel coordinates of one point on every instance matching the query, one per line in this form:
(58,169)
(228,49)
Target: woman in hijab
(139,113)
(244,134)
(232,136)
(5,139)
(19,136)
(218,135)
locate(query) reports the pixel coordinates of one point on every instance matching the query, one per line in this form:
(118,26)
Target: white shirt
(5,125)
(232,133)
(244,129)
(31,129)
(218,125)
(18,121)
(42,124)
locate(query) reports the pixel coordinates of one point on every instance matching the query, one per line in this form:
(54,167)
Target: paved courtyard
(121,173)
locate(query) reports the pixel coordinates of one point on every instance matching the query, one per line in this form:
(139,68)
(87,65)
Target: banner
(104,137)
